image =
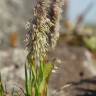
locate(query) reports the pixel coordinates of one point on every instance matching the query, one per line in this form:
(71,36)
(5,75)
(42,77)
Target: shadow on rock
(86,92)
(85,87)
(84,81)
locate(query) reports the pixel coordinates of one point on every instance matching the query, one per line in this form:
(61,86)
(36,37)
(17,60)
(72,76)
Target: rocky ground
(73,75)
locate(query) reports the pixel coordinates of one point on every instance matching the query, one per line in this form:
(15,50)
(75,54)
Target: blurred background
(74,57)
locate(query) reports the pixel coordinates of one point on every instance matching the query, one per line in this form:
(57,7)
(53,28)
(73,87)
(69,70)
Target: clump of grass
(42,34)
(1,87)
(37,72)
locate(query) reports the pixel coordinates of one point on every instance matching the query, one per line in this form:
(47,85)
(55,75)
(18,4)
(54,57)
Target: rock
(58,61)
(89,63)
(21,73)
(13,16)
(7,73)
(3,58)
(19,56)
(9,59)
(75,70)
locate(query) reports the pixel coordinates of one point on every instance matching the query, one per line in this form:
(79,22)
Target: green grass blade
(1,87)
